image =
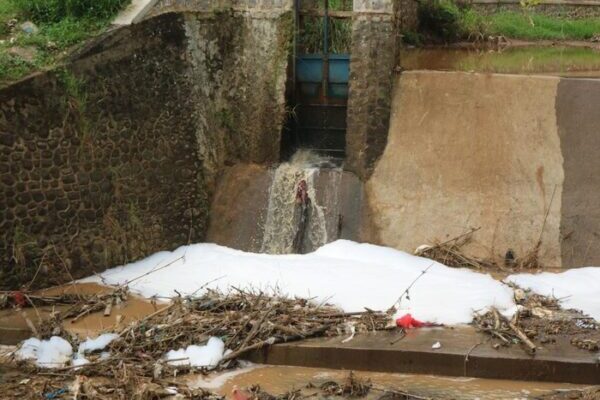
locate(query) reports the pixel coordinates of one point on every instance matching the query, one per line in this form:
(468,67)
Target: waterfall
(283,213)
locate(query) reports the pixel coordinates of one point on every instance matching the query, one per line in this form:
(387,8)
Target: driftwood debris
(540,320)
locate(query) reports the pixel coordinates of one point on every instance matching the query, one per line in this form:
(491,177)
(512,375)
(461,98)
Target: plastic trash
(408,322)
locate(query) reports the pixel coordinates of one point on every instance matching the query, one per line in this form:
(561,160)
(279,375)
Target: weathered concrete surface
(464,352)
(238,70)
(239,207)
(134,12)
(470,150)
(374,50)
(578,116)
(571,9)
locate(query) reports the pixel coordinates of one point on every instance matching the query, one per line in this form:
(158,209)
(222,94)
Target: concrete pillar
(375,43)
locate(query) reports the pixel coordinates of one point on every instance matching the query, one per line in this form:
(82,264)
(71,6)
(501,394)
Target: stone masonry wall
(98,163)
(375,39)
(115,156)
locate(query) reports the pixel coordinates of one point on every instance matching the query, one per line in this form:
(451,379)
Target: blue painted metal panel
(339,68)
(309,68)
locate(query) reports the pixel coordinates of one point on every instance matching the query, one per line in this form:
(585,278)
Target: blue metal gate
(321,91)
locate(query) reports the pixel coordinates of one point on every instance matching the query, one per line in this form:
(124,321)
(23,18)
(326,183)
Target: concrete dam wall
(492,151)
(168,132)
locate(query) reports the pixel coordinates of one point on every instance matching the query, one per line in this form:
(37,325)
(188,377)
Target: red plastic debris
(407,322)
(302,192)
(19,298)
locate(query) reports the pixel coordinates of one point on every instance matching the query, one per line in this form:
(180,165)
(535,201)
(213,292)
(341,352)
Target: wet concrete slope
(515,155)
(254,207)
(470,150)
(578,117)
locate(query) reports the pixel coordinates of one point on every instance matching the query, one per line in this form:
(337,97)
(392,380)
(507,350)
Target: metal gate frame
(321,89)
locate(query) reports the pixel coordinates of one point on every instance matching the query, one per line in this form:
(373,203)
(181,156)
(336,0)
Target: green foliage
(74,88)
(62,24)
(12,67)
(7,11)
(517,25)
(226,119)
(412,38)
(310,40)
(52,11)
(444,19)
(440,18)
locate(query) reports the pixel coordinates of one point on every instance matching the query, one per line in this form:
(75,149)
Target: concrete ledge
(134,12)
(464,353)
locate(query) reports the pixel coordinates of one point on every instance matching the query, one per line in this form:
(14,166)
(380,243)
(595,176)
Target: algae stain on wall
(238,71)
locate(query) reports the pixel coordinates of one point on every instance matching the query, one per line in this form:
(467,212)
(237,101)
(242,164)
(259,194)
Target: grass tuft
(445,20)
(62,24)
(517,25)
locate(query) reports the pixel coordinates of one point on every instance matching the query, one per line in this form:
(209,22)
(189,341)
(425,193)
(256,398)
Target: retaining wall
(115,156)
(514,155)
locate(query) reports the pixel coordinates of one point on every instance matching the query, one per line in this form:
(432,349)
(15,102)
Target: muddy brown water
(281,379)
(13,327)
(555,60)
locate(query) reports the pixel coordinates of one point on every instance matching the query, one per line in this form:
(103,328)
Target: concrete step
(464,352)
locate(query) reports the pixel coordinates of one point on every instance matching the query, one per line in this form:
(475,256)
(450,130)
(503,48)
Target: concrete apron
(464,353)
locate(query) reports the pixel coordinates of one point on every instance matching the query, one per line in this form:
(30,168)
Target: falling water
(283,215)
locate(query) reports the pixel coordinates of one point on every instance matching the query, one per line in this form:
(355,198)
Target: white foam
(52,353)
(347,274)
(98,343)
(577,288)
(208,355)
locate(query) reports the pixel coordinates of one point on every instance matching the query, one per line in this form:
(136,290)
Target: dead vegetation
(452,254)
(15,385)
(539,320)
(244,320)
(581,394)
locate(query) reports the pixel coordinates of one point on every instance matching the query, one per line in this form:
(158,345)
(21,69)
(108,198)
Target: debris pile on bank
(539,320)
(82,387)
(452,253)
(181,336)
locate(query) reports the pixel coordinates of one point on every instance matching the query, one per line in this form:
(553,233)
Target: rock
(25,53)
(29,28)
